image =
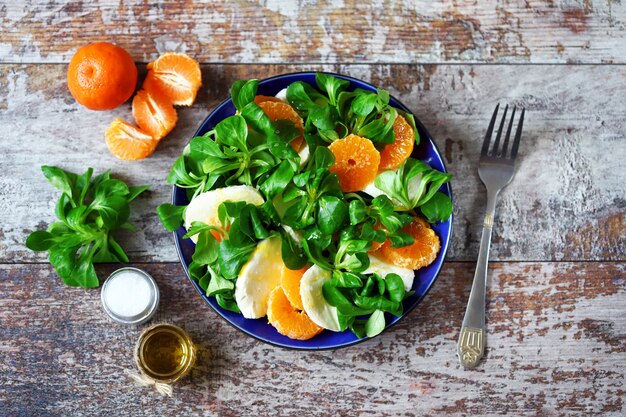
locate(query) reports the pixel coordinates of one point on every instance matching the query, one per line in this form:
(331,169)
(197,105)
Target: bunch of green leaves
(316,206)
(89,211)
(415,185)
(362,301)
(216,264)
(314,197)
(335,112)
(245,148)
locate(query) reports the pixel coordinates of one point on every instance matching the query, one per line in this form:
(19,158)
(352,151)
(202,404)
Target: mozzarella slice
(204,207)
(258,277)
(282,95)
(382,268)
(313,301)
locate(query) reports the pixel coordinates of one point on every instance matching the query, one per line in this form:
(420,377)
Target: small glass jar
(165,353)
(130,296)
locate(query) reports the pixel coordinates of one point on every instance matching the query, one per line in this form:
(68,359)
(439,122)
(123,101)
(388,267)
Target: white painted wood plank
(304,31)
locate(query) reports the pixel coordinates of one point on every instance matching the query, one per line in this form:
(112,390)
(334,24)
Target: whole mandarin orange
(101,76)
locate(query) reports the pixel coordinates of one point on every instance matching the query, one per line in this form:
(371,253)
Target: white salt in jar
(130,296)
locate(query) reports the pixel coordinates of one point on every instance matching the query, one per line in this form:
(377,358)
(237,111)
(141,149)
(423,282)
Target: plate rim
(445,248)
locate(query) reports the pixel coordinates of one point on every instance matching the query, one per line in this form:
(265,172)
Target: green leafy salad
(308,208)
(89,211)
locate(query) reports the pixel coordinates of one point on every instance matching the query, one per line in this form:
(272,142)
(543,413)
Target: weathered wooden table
(557,290)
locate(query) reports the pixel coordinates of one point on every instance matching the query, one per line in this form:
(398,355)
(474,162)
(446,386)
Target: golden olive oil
(165,353)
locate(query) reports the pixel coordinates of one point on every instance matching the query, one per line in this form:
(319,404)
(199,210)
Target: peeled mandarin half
(356,162)
(177,76)
(422,252)
(277,110)
(290,283)
(288,320)
(394,154)
(128,142)
(154,113)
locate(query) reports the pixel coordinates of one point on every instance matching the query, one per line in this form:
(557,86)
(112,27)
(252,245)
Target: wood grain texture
(566,201)
(556,347)
(304,31)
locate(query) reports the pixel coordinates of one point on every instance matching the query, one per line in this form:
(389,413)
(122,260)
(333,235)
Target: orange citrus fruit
(154,113)
(101,76)
(356,162)
(128,142)
(287,319)
(421,253)
(277,110)
(260,99)
(290,283)
(178,76)
(394,154)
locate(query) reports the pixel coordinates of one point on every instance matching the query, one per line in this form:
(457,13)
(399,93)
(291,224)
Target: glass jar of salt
(130,296)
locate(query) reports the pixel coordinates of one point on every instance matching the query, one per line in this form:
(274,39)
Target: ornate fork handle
(471,345)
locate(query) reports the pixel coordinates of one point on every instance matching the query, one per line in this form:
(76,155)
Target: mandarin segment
(101,76)
(154,113)
(394,154)
(356,162)
(290,283)
(128,142)
(421,253)
(177,76)
(277,110)
(287,320)
(261,98)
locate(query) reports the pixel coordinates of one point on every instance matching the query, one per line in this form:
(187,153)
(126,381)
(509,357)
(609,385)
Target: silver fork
(496,169)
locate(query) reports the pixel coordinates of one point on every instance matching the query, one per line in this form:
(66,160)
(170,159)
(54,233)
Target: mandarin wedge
(394,154)
(128,142)
(421,253)
(154,113)
(290,283)
(260,99)
(277,110)
(288,320)
(178,76)
(356,162)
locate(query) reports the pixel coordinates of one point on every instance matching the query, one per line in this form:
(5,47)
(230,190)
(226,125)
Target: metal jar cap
(130,296)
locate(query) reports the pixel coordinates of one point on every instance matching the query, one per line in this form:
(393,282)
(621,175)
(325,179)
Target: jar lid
(130,296)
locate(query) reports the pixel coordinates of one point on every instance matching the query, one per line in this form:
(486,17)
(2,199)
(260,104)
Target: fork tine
(508,133)
(485,148)
(518,135)
(494,151)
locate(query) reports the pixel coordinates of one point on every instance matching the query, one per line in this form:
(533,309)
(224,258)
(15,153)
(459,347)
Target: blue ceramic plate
(259,328)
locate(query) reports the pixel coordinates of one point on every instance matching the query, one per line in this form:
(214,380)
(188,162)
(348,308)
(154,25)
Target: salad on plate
(308,209)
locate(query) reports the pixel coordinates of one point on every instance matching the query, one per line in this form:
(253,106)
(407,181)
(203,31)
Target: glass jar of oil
(165,353)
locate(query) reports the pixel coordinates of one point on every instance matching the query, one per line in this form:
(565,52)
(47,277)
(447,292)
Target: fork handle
(471,344)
